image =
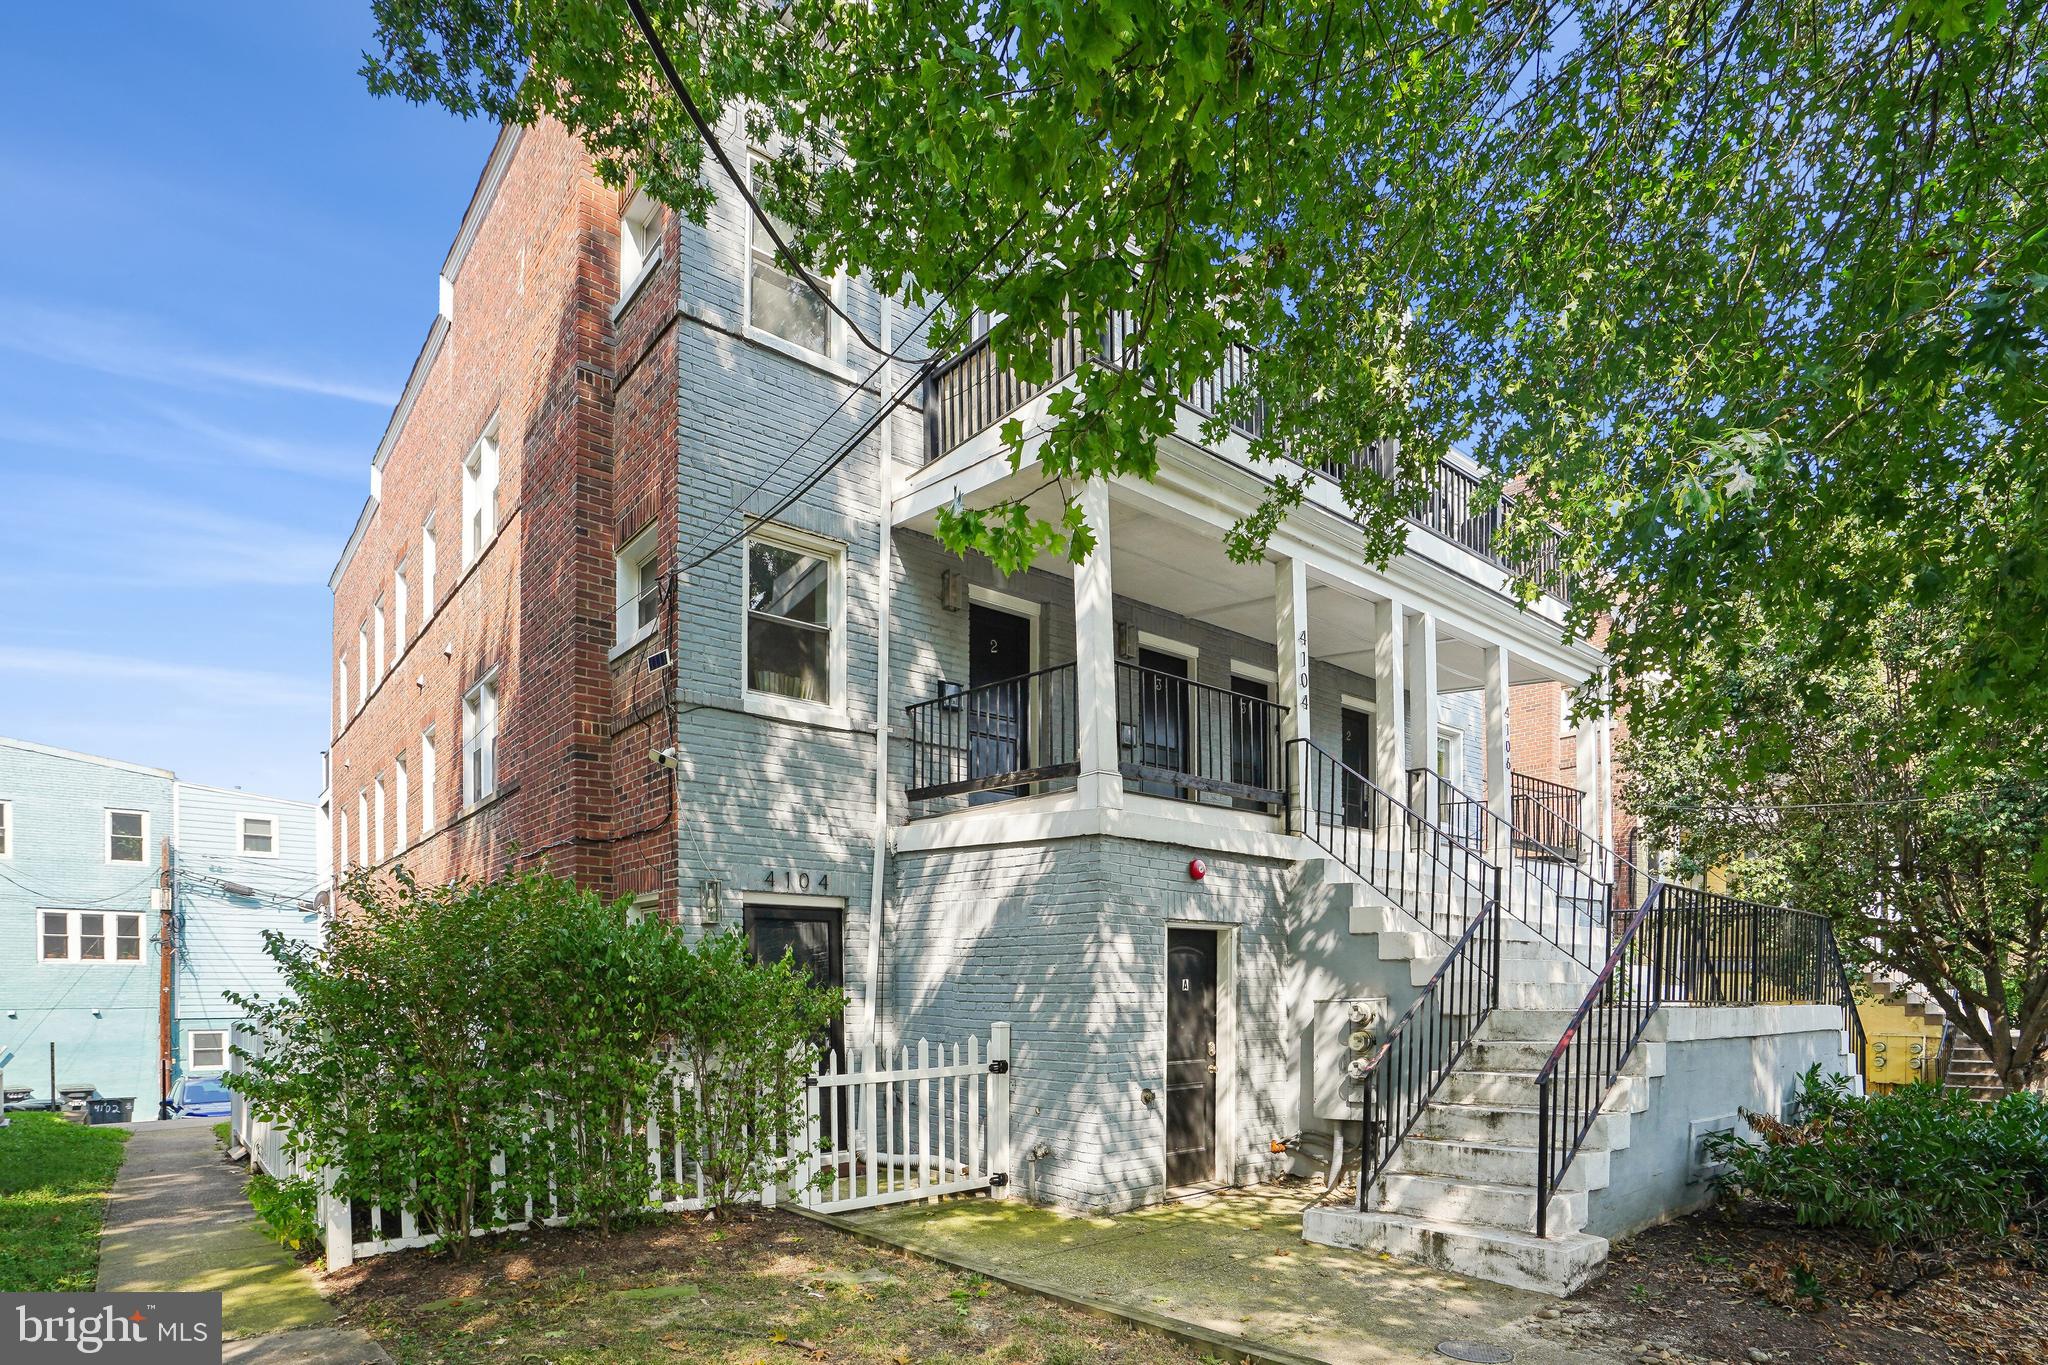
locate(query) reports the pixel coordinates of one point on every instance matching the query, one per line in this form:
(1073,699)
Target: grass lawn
(54,1178)
(765,1287)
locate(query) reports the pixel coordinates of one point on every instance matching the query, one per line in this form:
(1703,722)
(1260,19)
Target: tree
(1747,295)
(1923,843)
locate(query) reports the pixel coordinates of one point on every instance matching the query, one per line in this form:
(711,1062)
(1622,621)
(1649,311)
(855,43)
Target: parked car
(199,1097)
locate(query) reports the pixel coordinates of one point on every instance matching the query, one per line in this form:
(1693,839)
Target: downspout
(885,474)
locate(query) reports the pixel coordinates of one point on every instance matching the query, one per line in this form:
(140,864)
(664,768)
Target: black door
(1356,752)
(811,933)
(1190,1056)
(999,712)
(1162,717)
(1252,736)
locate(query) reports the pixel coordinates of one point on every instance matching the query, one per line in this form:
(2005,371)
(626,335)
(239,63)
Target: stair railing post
(1542,1155)
(1369,1143)
(1494,998)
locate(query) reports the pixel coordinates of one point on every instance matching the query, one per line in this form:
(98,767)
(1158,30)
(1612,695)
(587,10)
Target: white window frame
(341,712)
(426,782)
(1455,737)
(242,834)
(363,674)
(401,795)
(342,863)
(832,358)
(363,827)
(401,603)
(107,844)
(7,834)
(377,817)
(377,634)
(479,787)
(639,246)
(481,481)
(834,553)
(629,587)
(428,549)
(110,934)
(192,1062)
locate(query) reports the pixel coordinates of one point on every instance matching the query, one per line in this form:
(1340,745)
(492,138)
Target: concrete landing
(1233,1264)
(178,1220)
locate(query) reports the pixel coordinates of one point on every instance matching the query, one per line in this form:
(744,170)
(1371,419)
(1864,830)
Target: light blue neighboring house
(85,902)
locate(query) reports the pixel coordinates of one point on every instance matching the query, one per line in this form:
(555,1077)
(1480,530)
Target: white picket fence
(928,1122)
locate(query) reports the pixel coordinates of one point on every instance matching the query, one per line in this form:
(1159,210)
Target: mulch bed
(1747,1287)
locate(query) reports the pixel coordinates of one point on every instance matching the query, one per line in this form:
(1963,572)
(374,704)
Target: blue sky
(217,259)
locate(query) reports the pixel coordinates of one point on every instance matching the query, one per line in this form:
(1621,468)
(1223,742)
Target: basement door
(1190,1056)
(812,934)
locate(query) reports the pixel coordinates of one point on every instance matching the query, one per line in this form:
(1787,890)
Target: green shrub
(1919,1168)
(289,1208)
(440,1026)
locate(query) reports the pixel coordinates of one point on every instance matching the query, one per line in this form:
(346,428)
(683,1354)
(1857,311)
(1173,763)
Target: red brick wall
(532,341)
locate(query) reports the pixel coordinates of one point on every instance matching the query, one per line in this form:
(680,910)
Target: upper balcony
(971,395)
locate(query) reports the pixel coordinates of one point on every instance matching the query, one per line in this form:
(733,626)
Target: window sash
(480,744)
(207,1049)
(124,846)
(56,936)
(6,828)
(128,938)
(259,835)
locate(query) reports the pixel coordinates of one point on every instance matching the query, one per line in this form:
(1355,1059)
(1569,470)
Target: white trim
(107,843)
(481,200)
(470,801)
(1255,672)
(242,819)
(192,1066)
(487,454)
(110,934)
(9,837)
(1456,735)
(772,704)
(797,899)
(1062,815)
(625,565)
(1223,1141)
(1032,612)
(1350,702)
(1192,653)
(648,269)
(52,751)
(833,358)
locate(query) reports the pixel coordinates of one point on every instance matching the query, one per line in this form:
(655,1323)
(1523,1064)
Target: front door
(999,697)
(1356,751)
(1162,717)
(1190,1056)
(812,934)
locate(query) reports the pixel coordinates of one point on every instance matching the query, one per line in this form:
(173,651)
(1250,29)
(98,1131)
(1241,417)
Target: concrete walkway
(1233,1264)
(178,1220)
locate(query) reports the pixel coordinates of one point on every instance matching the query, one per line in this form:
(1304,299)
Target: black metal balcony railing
(1182,739)
(1001,736)
(971,393)
(1545,816)
(1684,947)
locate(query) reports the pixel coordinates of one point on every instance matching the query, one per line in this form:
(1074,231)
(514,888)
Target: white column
(1606,788)
(1586,777)
(1290,644)
(1390,695)
(1493,665)
(1422,717)
(1095,721)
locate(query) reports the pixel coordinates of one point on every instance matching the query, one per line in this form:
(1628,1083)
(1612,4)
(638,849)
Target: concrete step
(1516,1125)
(1516,1054)
(1534,1025)
(1495,1163)
(1560,1264)
(1491,1204)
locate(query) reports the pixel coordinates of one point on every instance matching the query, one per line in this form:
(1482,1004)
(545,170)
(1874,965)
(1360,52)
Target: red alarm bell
(1198,869)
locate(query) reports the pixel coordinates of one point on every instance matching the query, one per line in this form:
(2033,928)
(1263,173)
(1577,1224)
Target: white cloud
(179,437)
(133,348)
(216,686)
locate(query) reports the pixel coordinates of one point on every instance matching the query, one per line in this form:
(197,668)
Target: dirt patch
(1745,1288)
(758,1286)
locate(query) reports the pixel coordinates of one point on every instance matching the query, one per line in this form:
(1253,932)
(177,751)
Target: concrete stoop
(1558,1264)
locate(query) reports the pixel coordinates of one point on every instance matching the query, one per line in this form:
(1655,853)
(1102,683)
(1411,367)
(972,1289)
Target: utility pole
(166,941)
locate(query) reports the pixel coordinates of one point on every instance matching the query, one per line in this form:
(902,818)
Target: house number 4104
(798,881)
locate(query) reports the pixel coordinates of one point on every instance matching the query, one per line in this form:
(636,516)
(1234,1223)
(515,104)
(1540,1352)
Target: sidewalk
(178,1220)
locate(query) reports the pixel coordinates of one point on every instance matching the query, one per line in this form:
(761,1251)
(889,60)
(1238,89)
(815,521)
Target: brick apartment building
(602,526)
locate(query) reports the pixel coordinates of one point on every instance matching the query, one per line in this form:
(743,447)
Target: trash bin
(106,1109)
(74,1098)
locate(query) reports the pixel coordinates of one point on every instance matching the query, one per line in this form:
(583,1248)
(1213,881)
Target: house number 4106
(797,881)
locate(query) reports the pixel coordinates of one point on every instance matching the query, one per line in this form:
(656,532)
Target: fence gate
(916,1126)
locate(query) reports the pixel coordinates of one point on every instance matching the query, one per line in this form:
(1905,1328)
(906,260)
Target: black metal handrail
(1185,739)
(1684,947)
(1399,1079)
(1399,853)
(1545,815)
(1618,870)
(1566,902)
(1000,735)
(971,393)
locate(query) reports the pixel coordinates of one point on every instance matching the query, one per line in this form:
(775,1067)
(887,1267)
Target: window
(1450,756)
(427,781)
(363,826)
(777,302)
(399,605)
(792,604)
(259,836)
(340,693)
(91,936)
(426,572)
(206,1049)
(377,636)
(480,495)
(639,241)
(638,569)
(127,836)
(377,819)
(480,742)
(6,829)
(362,665)
(399,797)
(342,860)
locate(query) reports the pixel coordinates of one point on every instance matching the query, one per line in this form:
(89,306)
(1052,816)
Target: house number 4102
(797,881)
